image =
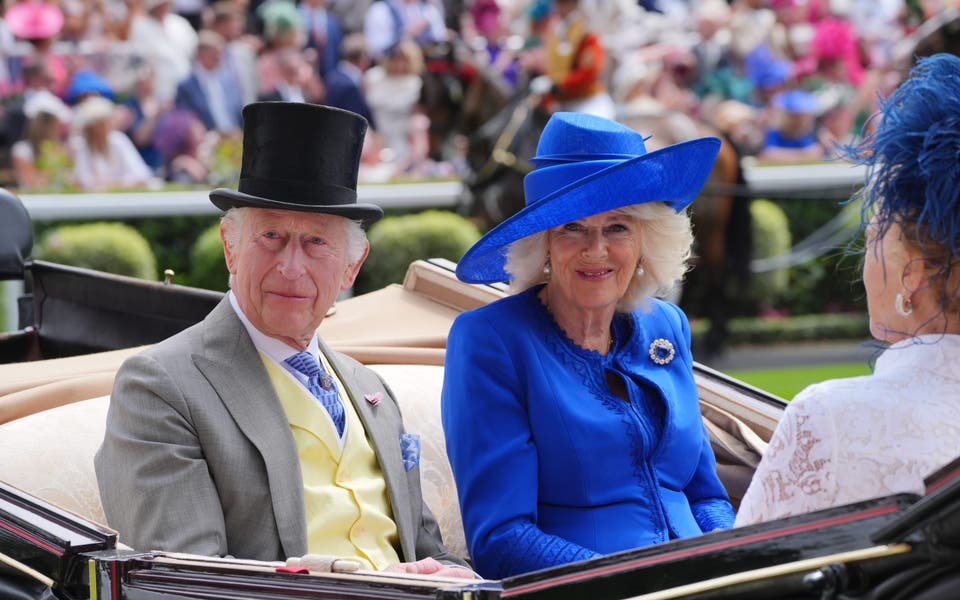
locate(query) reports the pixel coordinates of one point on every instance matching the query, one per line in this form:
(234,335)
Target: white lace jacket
(846,440)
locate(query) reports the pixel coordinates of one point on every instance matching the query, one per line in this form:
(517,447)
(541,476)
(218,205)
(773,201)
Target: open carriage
(78,326)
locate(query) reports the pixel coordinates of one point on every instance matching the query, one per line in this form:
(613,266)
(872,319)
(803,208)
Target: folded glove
(322,563)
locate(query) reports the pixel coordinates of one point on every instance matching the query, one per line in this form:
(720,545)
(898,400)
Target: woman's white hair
(666,238)
(232,222)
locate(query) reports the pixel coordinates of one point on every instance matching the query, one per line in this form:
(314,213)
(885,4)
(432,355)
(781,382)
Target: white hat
(91,110)
(44,101)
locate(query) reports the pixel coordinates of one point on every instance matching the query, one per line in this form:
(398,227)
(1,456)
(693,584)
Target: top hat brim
(366,214)
(673,175)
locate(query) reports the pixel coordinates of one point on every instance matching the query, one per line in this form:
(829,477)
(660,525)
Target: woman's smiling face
(593,259)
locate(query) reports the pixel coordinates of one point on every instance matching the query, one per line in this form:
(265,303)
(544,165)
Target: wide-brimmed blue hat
(586,165)
(797,101)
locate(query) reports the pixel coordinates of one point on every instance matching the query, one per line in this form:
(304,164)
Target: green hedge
(111,247)
(207,267)
(771,237)
(831,282)
(173,239)
(397,241)
(803,328)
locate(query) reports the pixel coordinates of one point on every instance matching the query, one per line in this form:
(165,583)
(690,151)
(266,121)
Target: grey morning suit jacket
(198,455)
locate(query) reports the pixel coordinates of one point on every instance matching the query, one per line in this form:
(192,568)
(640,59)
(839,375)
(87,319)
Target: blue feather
(913,157)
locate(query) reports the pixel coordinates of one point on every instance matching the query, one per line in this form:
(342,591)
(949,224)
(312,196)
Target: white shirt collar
(275,350)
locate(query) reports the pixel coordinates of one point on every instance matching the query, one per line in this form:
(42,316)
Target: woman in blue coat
(569,408)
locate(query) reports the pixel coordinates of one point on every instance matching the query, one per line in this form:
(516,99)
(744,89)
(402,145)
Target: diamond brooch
(661,351)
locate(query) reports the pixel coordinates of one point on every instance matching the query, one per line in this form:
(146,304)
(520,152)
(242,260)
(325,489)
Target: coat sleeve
(708,498)
(797,473)
(151,456)
(493,456)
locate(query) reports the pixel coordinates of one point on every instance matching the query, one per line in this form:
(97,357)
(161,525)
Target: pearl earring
(903,306)
(546,268)
(640,269)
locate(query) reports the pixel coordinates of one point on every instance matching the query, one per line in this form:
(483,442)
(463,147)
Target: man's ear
(350,275)
(228,254)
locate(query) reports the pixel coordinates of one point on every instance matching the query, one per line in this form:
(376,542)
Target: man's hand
(322,563)
(431,566)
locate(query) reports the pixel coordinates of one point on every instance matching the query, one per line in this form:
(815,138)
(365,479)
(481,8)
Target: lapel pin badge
(374,398)
(661,351)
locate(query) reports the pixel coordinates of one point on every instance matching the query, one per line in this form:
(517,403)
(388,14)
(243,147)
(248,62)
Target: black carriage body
(843,552)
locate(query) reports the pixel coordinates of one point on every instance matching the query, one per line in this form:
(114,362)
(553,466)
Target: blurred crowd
(106,94)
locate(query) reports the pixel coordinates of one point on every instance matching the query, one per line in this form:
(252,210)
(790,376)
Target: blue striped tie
(321,385)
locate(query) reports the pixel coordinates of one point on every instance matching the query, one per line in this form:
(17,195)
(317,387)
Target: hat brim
(34,21)
(366,214)
(673,175)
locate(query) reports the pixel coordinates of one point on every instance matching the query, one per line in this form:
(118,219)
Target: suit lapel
(381,423)
(234,368)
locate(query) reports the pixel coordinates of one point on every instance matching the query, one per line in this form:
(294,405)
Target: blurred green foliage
(396,241)
(771,237)
(172,240)
(111,247)
(207,268)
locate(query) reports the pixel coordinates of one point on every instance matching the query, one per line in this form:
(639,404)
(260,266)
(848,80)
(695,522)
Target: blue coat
(190,96)
(551,466)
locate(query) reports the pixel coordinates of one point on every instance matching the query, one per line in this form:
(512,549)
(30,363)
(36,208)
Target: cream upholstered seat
(50,453)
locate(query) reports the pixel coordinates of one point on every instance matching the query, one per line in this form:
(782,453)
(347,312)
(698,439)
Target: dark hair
(913,168)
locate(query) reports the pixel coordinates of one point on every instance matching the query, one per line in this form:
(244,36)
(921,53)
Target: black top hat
(302,157)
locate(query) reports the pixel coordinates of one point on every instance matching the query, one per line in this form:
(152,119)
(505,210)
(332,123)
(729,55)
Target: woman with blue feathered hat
(570,410)
(846,440)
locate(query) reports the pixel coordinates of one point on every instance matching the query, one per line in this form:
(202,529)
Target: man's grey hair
(233,219)
(666,239)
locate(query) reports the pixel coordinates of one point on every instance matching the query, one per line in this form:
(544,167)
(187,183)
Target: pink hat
(31,20)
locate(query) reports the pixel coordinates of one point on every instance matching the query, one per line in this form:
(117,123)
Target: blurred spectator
(324,33)
(282,28)
(539,18)
(94,23)
(622,25)
(632,85)
(494,48)
(351,13)
(576,59)
(239,60)
(298,80)
(167,41)
(770,74)
(7,50)
(717,70)
(180,141)
(85,83)
(143,113)
(740,123)
(203,92)
(344,84)
(393,91)
(794,138)
(837,52)
(47,121)
(39,23)
(104,157)
(389,21)
(752,23)
(191,10)
(36,78)
(674,86)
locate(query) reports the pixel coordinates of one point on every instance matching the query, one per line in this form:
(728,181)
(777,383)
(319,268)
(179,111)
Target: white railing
(774,180)
(123,205)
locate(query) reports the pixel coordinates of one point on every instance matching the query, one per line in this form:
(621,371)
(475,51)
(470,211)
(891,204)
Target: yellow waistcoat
(348,510)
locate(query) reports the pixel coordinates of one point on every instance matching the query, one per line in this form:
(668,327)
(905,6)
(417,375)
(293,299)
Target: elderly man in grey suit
(245,435)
